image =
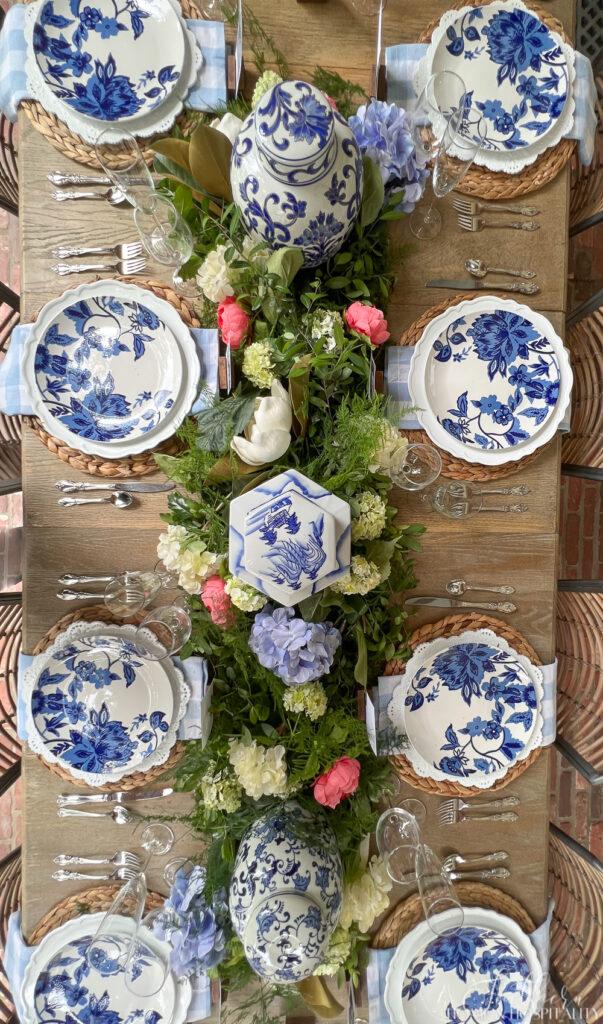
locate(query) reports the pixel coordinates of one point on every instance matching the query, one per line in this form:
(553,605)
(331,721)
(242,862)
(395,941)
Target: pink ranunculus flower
(233,321)
(366,320)
(340,781)
(217,601)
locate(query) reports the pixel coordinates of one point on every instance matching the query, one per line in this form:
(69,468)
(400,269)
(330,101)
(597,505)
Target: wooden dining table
(518,549)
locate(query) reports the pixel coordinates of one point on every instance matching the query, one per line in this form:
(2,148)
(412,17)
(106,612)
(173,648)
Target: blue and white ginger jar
(296,172)
(285,893)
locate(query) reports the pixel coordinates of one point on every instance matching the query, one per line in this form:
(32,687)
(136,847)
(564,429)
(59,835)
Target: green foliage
(347,95)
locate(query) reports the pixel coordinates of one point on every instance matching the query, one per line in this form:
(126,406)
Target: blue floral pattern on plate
(108,59)
(471,975)
(104,371)
(515,72)
(98,707)
(495,379)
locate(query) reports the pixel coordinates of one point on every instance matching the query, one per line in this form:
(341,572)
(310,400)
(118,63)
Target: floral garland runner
(303,342)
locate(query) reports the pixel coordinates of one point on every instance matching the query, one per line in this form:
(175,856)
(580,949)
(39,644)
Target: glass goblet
(452,502)
(126,166)
(442,97)
(397,836)
(422,465)
(167,238)
(162,632)
(437,893)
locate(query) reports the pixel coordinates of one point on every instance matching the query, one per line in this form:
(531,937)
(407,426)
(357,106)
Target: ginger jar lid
(294,124)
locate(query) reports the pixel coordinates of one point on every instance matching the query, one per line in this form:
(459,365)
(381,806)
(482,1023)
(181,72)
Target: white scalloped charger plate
(159,119)
(171,1002)
(433,1009)
(180,354)
(490,379)
(162,675)
(479,76)
(493,729)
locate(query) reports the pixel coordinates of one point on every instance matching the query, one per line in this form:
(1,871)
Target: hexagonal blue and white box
(289,538)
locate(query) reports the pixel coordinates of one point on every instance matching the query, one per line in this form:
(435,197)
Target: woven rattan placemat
(88,901)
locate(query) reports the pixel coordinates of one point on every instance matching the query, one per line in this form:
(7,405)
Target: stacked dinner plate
(111,370)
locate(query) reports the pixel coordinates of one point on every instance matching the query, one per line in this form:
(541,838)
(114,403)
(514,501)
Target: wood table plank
(520,550)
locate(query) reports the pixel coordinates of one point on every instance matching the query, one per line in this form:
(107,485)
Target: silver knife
(70,486)
(452,602)
(526,288)
(71,799)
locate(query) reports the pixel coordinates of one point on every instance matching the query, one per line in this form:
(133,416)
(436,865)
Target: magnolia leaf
(285,263)
(299,378)
(210,152)
(373,193)
(166,166)
(361,666)
(175,150)
(228,468)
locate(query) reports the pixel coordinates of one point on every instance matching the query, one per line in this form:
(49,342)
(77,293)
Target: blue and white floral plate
(97,708)
(491,380)
(60,985)
(470,706)
(518,75)
(487,972)
(111,369)
(104,63)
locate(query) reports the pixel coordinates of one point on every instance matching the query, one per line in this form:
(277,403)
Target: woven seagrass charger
(87,901)
(70,144)
(453,625)
(486,184)
(132,465)
(98,613)
(409,912)
(454,468)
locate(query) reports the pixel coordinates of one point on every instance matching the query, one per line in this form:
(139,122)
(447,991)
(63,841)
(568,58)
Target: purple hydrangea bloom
(383,132)
(191,927)
(295,650)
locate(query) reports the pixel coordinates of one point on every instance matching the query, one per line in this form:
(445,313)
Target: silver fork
(125,267)
(123,874)
(122,859)
(125,251)
(478,876)
(449,811)
(473,206)
(457,860)
(469,223)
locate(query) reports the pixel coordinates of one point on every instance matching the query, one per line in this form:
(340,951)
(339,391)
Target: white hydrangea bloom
(309,698)
(266,81)
(257,364)
(262,771)
(367,897)
(213,276)
(221,792)
(369,521)
(181,552)
(323,327)
(338,951)
(244,596)
(389,459)
(362,577)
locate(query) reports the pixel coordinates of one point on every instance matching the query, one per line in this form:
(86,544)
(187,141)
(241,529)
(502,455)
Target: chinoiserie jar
(296,172)
(285,892)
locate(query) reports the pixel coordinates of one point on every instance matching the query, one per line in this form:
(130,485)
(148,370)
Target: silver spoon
(478,268)
(117,498)
(113,195)
(458,587)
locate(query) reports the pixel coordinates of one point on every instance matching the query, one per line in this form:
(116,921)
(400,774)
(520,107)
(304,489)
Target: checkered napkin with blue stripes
(14,396)
(401,63)
(207,94)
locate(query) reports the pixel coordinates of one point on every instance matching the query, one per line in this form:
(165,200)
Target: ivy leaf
(222,421)
(298,393)
(361,666)
(373,192)
(285,263)
(209,161)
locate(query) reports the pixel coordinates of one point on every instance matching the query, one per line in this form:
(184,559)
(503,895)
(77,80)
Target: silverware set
(453,810)
(128,486)
(118,874)
(119,797)
(468,211)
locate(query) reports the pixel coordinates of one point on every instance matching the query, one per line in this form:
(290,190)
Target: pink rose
(217,601)
(367,320)
(232,321)
(340,781)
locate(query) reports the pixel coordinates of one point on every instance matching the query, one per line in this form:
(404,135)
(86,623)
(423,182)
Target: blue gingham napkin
(397,368)
(14,398)
(385,740)
(17,955)
(380,959)
(197,721)
(207,94)
(401,63)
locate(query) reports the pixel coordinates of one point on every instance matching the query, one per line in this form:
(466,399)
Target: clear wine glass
(457,150)
(126,166)
(443,96)
(421,467)
(162,632)
(398,836)
(130,592)
(167,238)
(437,893)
